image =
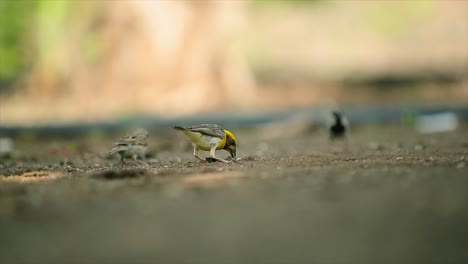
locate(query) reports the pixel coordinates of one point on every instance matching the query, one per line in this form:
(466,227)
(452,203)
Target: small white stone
(418,147)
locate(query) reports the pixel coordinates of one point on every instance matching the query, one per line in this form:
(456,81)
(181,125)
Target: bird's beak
(232,151)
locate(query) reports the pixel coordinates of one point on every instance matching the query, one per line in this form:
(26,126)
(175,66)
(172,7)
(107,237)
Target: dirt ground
(390,196)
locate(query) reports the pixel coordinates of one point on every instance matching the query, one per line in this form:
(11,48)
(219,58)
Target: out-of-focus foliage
(37,34)
(51,22)
(15,21)
(89,60)
(391,23)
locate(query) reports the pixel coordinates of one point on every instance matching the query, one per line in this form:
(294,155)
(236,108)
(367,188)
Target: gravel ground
(389,196)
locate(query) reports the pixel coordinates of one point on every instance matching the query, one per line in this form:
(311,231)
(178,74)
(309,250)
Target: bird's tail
(114,150)
(179,128)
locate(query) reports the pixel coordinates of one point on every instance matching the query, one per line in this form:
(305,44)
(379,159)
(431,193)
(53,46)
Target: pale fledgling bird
(133,145)
(210,137)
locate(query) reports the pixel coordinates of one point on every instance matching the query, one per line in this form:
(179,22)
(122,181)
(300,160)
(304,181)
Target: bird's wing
(126,140)
(208,129)
(118,149)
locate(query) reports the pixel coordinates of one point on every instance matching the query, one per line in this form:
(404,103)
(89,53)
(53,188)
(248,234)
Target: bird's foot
(200,160)
(213,159)
(139,162)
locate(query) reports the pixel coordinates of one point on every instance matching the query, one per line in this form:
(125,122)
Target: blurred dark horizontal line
(403,81)
(268,74)
(357,115)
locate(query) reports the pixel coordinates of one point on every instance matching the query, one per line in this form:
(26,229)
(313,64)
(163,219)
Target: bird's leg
(139,162)
(122,159)
(331,140)
(195,154)
(347,140)
(212,154)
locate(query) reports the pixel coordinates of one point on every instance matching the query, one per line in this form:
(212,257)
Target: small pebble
(418,147)
(374,146)
(399,158)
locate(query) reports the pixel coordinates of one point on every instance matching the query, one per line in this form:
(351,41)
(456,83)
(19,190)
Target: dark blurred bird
(133,145)
(210,137)
(339,128)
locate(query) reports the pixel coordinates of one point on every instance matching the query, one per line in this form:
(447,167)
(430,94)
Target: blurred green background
(88,61)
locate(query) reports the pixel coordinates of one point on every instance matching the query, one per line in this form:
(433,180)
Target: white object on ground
(437,123)
(6,145)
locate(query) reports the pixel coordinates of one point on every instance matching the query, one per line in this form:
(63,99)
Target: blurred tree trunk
(145,56)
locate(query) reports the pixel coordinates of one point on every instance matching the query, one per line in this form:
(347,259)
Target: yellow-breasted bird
(133,145)
(210,137)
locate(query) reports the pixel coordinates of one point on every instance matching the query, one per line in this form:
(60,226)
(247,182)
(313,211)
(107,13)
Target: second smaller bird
(210,137)
(133,145)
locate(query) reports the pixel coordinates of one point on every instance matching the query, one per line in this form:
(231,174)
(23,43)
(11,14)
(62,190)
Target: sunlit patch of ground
(33,176)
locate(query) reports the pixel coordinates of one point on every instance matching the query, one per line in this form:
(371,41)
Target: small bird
(210,137)
(133,145)
(340,127)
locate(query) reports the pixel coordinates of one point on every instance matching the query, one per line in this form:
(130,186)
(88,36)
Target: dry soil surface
(390,196)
